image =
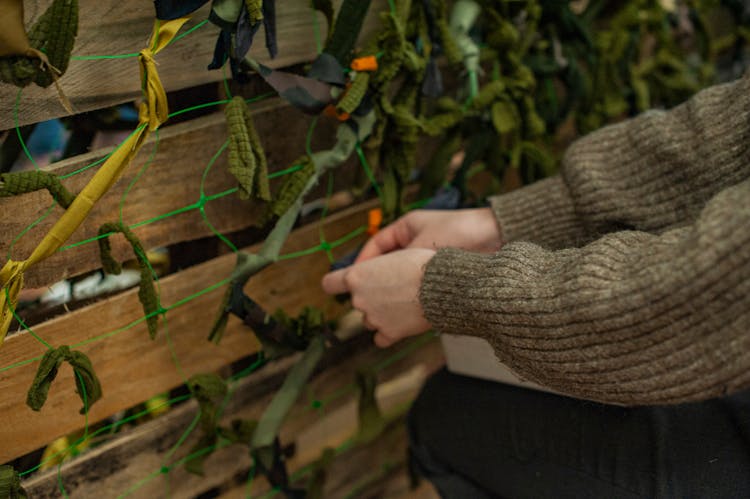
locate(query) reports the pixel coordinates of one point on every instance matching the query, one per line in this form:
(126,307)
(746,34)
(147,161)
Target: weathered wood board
(171,181)
(136,454)
(112,27)
(133,368)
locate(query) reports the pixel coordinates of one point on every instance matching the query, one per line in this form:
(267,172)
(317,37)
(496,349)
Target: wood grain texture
(132,456)
(109,27)
(133,368)
(171,181)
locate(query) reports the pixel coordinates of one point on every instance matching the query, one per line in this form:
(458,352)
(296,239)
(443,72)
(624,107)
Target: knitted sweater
(626,278)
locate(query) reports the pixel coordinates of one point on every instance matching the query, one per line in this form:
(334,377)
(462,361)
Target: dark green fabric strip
(87,383)
(14,184)
(146,291)
(346,30)
(10,484)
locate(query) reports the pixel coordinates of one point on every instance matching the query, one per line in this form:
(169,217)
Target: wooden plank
(171,182)
(133,368)
(109,27)
(120,464)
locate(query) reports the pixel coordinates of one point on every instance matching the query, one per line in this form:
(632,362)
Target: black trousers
(479,439)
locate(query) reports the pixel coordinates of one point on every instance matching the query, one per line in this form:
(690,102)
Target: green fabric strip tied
(292,187)
(349,21)
(10,484)
(247,160)
(320,468)
(14,184)
(87,383)
(371,421)
(353,97)
(240,431)
(326,8)
(208,389)
(274,415)
(146,291)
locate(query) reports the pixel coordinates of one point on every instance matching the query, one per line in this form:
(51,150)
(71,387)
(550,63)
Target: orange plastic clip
(331,112)
(367,63)
(374,219)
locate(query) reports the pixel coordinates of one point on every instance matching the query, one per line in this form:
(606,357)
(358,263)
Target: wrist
(486,226)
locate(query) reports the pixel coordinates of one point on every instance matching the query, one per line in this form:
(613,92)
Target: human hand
(386,291)
(473,230)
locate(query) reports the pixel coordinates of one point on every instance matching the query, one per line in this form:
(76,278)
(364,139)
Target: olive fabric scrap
(10,484)
(371,421)
(270,422)
(346,30)
(319,474)
(89,389)
(146,290)
(208,389)
(14,184)
(247,159)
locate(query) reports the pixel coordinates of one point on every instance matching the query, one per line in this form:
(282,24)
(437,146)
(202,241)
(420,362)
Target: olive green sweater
(626,278)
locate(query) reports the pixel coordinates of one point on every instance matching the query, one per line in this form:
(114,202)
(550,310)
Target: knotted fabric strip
(10,484)
(351,100)
(349,22)
(13,184)
(89,389)
(270,422)
(371,421)
(326,8)
(240,431)
(146,291)
(247,159)
(291,189)
(316,484)
(208,389)
(152,113)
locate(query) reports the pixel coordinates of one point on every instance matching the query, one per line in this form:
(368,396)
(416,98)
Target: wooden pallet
(132,368)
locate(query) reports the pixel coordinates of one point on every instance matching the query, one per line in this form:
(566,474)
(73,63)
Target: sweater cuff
(542,213)
(451,277)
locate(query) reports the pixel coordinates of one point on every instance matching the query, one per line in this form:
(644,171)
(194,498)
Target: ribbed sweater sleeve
(632,318)
(650,173)
(542,212)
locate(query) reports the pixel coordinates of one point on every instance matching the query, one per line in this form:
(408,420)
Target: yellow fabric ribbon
(152,113)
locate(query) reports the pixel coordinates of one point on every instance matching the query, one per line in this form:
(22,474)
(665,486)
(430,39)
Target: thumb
(334,283)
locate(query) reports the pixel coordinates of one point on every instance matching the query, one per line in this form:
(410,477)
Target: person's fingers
(392,237)
(369,325)
(379,244)
(382,340)
(334,283)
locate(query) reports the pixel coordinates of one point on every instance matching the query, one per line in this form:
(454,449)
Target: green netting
(204,198)
(516,105)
